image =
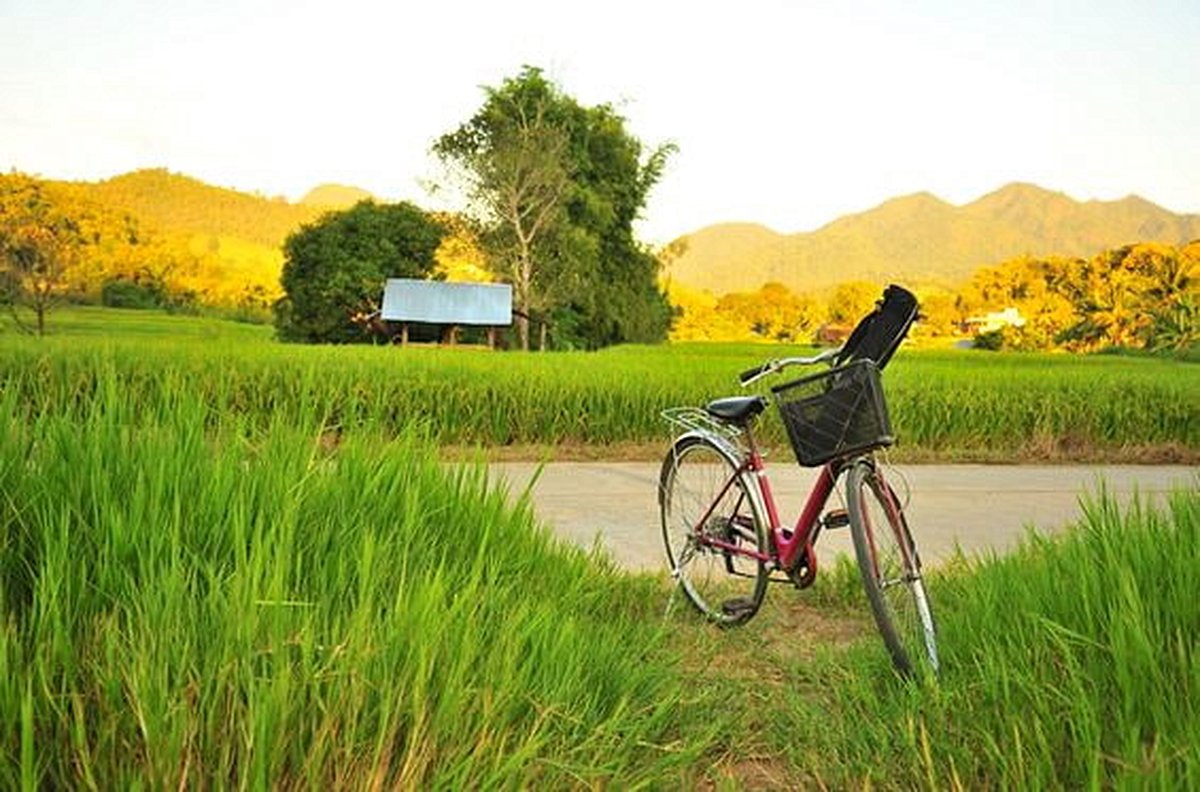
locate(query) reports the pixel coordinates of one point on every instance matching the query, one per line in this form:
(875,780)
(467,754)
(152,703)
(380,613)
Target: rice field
(228,563)
(944,405)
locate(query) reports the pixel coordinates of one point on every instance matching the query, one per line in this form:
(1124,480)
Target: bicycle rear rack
(695,419)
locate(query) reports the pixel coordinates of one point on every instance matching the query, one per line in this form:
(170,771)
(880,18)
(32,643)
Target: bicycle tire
(891,571)
(726,587)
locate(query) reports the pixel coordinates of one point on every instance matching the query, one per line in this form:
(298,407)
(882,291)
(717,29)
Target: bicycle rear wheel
(704,499)
(891,570)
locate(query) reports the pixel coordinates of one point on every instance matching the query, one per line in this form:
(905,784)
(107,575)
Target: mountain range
(922,240)
(917,239)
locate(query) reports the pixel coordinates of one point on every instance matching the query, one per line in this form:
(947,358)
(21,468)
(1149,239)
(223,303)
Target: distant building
(830,334)
(447,305)
(997,320)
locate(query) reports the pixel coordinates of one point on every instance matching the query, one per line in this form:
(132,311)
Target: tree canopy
(555,188)
(1145,295)
(335,268)
(38,244)
(1139,296)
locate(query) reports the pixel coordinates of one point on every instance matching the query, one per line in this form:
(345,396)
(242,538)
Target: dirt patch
(565,452)
(785,634)
(798,628)
(1073,450)
(762,661)
(756,772)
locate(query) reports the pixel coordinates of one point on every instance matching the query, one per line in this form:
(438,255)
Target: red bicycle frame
(789,547)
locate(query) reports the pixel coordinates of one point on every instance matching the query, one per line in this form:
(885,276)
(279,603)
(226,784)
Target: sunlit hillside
(234,239)
(193,244)
(174,202)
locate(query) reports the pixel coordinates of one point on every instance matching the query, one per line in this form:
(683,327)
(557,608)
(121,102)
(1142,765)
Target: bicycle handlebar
(771,366)
(749,375)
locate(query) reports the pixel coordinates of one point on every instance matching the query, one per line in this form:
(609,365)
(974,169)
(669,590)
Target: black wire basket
(835,414)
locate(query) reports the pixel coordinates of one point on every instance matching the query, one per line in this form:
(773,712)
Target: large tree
(556,188)
(512,159)
(335,268)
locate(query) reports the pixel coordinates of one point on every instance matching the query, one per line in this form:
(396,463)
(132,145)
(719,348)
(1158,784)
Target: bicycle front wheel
(891,570)
(710,526)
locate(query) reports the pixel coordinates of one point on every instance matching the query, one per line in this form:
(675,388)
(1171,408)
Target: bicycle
(721,528)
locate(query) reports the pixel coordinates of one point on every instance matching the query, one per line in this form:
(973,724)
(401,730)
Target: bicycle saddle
(737,410)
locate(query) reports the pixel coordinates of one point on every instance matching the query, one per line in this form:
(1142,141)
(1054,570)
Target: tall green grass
(1072,663)
(943,404)
(186,600)
(948,401)
(231,563)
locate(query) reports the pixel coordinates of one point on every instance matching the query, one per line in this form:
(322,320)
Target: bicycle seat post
(751,444)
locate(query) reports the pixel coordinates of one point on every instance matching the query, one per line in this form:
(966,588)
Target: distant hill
(178,203)
(923,240)
(335,196)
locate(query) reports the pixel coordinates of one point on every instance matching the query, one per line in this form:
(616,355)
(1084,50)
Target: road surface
(979,508)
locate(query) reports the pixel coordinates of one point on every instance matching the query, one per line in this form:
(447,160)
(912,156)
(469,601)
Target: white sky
(786,113)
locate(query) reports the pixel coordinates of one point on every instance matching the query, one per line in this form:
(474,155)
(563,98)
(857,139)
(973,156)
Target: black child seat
(880,332)
(841,412)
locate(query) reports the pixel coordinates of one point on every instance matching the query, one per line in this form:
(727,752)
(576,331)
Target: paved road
(978,507)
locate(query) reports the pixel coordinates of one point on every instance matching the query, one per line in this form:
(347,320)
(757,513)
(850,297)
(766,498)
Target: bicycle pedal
(837,518)
(737,606)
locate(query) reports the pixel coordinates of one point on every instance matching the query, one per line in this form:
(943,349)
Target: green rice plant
(1004,402)
(1072,663)
(943,404)
(228,562)
(188,600)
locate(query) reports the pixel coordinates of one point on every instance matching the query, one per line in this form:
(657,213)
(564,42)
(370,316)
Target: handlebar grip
(757,371)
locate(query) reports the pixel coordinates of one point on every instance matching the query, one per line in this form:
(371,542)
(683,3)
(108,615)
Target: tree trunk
(523,331)
(524,286)
(542,340)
